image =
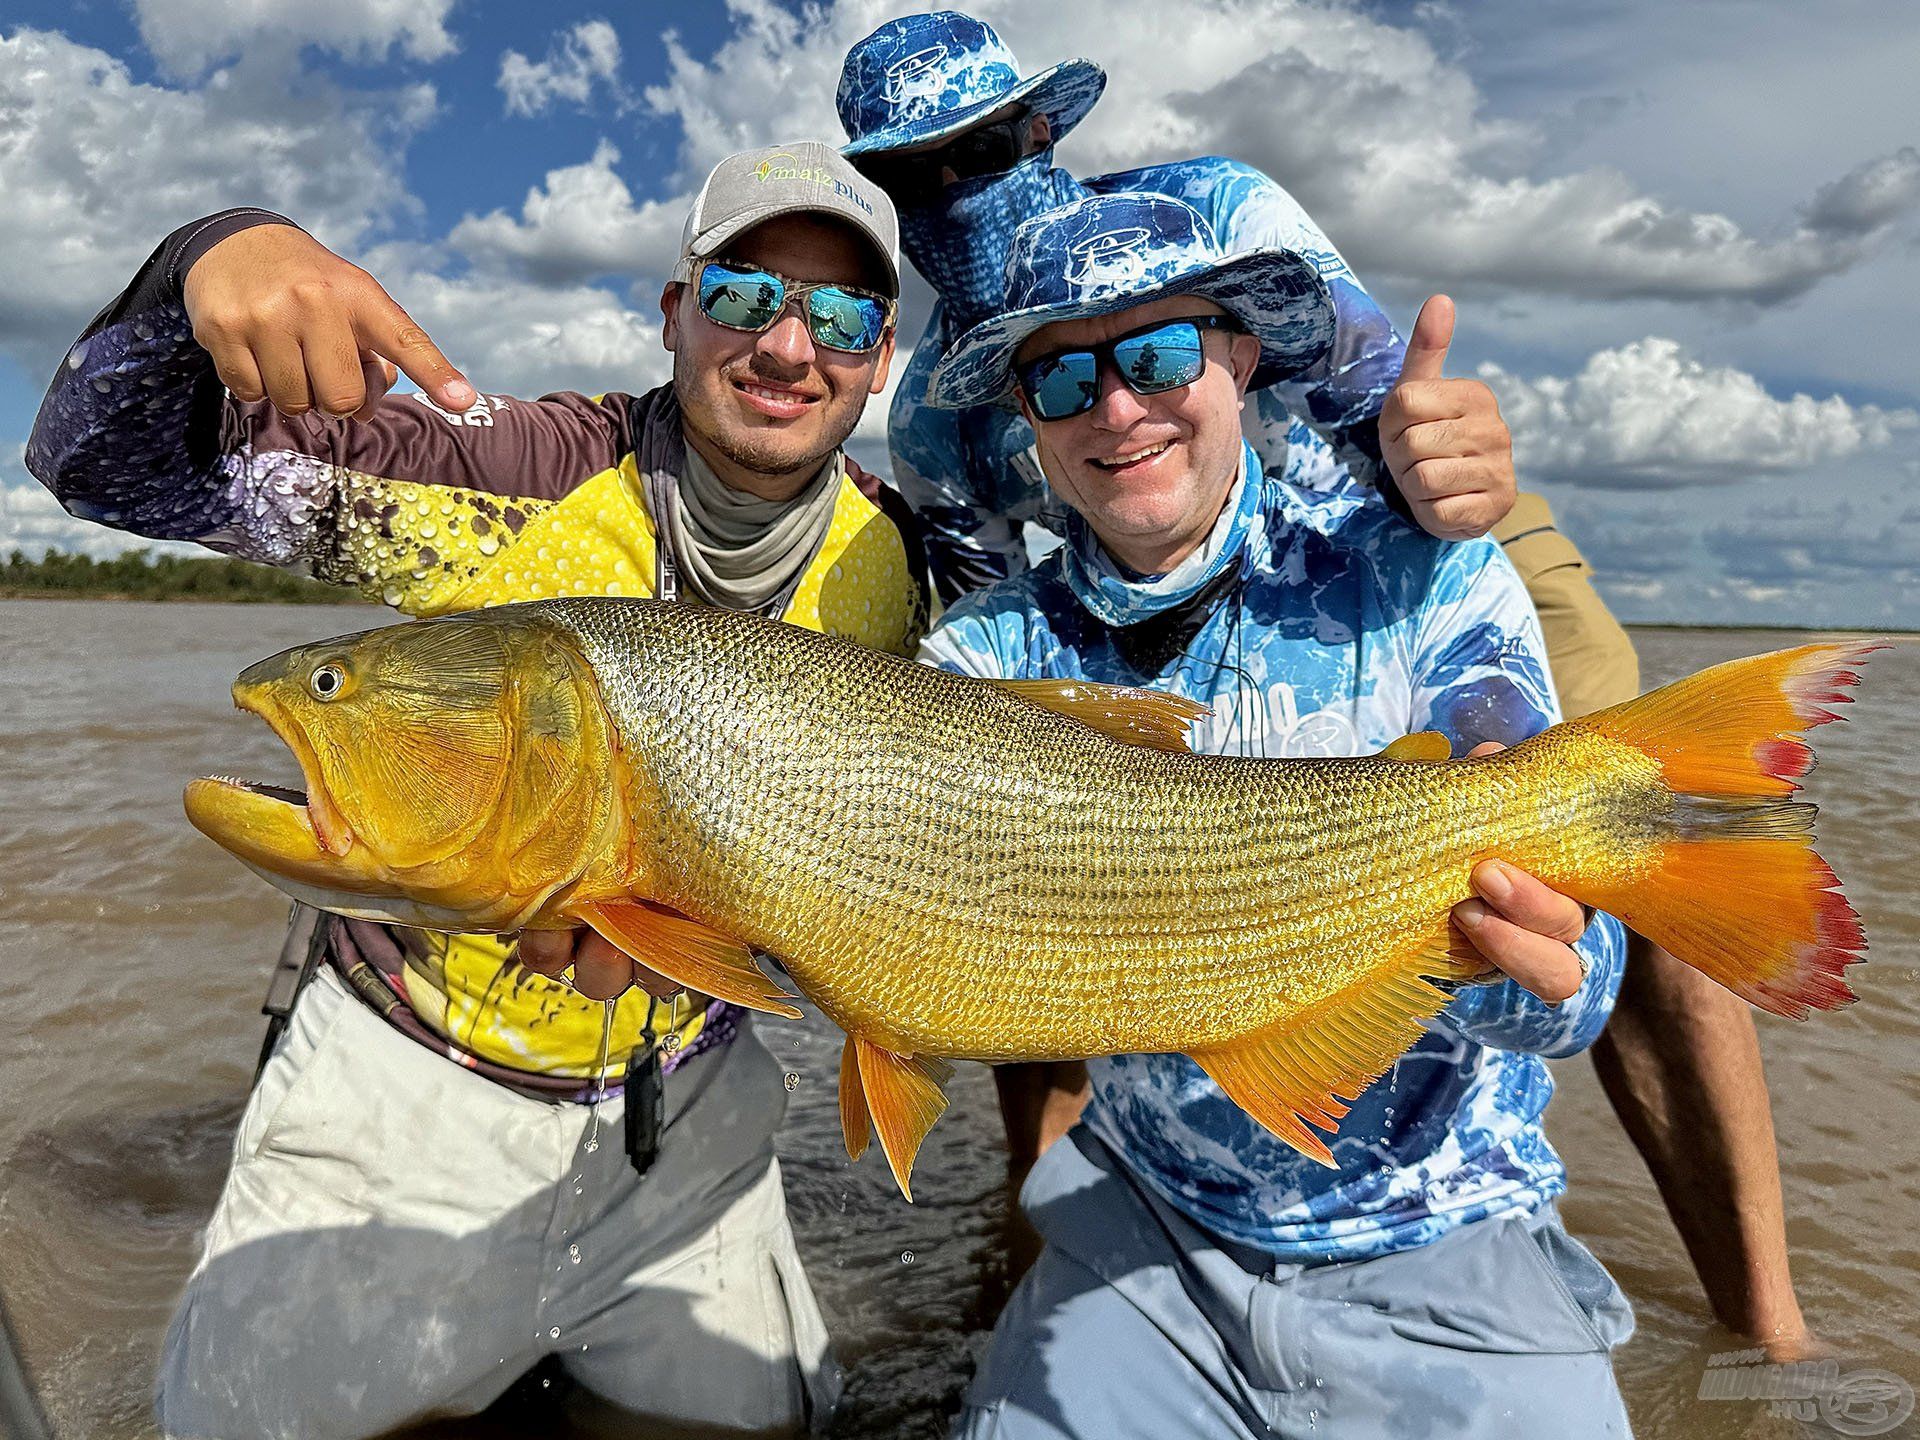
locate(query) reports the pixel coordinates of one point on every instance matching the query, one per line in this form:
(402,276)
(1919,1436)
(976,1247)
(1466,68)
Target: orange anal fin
(903,1099)
(1292,1075)
(681,948)
(1425,746)
(1127,713)
(855,1124)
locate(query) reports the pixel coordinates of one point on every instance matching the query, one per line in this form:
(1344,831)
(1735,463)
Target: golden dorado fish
(962,869)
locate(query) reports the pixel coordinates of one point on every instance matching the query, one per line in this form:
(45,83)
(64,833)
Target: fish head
(459,773)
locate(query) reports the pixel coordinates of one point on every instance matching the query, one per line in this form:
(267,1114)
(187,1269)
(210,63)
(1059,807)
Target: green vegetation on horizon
(141,575)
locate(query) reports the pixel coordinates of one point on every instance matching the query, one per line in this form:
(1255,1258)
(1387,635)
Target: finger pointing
(388,330)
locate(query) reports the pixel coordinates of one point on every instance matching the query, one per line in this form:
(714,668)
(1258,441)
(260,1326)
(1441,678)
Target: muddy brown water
(133,957)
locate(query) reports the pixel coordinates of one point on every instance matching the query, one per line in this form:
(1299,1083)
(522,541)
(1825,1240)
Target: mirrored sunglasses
(749,297)
(1157,358)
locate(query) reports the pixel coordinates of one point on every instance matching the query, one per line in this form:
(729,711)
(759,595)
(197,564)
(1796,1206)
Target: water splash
(600,1081)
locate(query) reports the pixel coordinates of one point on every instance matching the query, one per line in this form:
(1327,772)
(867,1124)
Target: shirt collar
(1117,598)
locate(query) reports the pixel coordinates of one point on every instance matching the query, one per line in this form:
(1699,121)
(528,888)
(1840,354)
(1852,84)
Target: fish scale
(952,868)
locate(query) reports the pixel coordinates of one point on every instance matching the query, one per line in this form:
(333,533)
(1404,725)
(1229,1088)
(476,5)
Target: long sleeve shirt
(1317,625)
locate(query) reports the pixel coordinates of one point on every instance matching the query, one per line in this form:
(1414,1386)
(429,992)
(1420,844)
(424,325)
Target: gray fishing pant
(399,1239)
(1136,1323)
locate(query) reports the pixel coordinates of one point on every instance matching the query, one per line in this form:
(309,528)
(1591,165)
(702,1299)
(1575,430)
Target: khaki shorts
(1592,658)
(399,1239)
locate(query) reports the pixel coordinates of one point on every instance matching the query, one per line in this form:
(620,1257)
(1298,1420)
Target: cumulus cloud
(96,167)
(580,60)
(579,223)
(189,35)
(1649,415)
(32,521)
(1868,197)
(1386,141)
(522,337)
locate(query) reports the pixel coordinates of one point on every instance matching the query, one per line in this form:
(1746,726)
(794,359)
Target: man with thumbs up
(1201,1278)
(939,114)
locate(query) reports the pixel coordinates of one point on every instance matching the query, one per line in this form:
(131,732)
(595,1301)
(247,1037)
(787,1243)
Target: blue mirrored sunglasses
(749,297)
(1159,357)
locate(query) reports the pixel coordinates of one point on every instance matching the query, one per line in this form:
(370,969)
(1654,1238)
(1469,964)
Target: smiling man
(429,1192)
(1200,1277)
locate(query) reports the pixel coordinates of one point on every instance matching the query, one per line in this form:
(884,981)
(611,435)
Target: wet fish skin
(949,869)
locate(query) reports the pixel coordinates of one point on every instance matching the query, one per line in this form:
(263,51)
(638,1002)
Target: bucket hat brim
(1276,295)
(1065,93)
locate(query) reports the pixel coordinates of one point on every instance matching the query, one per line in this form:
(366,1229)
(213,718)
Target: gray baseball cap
(801,176)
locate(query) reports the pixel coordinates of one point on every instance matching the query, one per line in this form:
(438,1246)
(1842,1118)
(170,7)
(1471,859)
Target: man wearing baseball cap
(452,1165)
(939,114)
(1200,1276)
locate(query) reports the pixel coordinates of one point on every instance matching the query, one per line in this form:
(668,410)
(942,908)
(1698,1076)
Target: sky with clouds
(1685,238)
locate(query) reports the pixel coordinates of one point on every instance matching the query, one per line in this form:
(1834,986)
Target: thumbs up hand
(1443,440)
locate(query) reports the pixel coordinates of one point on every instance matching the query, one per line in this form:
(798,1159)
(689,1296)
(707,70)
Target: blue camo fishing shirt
(971,475)
(1350,629)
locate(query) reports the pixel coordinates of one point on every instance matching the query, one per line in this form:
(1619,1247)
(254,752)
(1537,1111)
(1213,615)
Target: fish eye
(327,682)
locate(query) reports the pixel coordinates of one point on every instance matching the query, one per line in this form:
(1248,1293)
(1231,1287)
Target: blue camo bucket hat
(925,77)
(1112,252)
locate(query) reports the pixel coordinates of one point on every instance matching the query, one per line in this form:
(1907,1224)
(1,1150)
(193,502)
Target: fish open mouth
(295,833)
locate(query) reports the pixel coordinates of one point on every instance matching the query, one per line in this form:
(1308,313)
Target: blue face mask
(961,242)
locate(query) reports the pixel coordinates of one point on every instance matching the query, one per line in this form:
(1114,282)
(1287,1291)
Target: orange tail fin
(1739,893)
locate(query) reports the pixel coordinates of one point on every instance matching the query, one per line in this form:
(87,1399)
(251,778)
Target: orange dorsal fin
(902,1097)
(681,948)
(1294,1074)
(856,1126)
(1424,746)
(1133,716)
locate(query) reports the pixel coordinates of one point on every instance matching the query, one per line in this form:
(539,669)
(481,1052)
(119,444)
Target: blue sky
(1685,239)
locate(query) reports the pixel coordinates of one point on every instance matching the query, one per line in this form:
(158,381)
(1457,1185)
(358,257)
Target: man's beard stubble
(758,451)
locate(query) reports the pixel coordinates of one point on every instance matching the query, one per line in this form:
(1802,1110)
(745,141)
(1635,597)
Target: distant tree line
(141,575)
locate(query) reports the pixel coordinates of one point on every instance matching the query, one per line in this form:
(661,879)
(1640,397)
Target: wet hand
(288,321)
(1443,440)
(601,971)
(1521,926)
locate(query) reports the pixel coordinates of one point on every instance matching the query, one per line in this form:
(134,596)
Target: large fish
(955,868)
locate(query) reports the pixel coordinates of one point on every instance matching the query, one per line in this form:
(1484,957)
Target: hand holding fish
(288,321)
(1443,440)
(600,970)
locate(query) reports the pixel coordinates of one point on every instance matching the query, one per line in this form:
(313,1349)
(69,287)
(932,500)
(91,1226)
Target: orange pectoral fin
(1289,1075)
(697,956)
(903,1098)
(856,1126)
(1133,716)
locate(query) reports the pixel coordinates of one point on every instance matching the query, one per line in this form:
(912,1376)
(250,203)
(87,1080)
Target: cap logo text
(784,167)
